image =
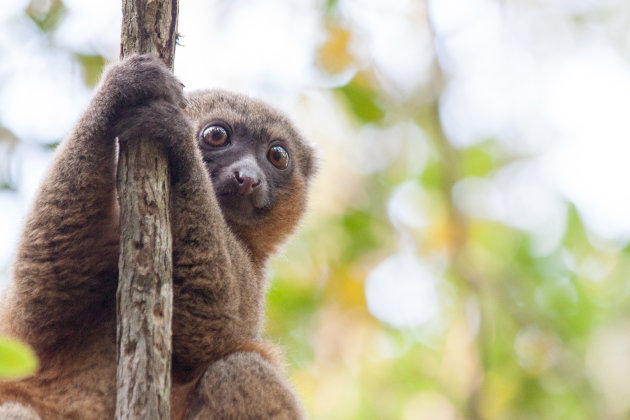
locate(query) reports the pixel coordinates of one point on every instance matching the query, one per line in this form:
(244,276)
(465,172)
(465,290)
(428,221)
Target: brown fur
(62,298)
(243,385)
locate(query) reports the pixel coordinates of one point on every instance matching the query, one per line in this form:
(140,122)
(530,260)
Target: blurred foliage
(517,335)
(363,103)
(516,325)
(92,67)
(46,15)
(7,144)
(334,54)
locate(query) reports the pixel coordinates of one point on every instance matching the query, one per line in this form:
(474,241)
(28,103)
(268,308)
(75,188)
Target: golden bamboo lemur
(239,174)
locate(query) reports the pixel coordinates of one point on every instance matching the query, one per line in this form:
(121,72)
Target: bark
(145,289)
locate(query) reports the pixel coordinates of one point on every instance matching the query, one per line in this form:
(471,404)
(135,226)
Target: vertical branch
(145,292)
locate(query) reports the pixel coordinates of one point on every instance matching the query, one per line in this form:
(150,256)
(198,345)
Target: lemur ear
(309,162)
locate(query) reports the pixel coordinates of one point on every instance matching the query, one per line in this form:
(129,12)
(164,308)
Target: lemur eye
(278,157)
(215,135)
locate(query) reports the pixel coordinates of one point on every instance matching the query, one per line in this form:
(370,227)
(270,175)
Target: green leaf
(478,160)
(47,20)
(575,237)
(331,5)
(363,102)
(17,359)
(92,66)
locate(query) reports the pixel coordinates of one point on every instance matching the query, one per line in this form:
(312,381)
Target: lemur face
(254,157)
(247,166)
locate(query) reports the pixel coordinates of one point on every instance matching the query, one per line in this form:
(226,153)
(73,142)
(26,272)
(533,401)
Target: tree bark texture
(145,290)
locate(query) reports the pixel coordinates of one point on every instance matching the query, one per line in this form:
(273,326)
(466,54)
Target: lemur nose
(247,182)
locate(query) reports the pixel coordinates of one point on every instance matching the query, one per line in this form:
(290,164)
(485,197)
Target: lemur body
(239,175)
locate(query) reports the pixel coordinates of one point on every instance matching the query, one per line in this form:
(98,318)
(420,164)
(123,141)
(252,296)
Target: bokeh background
(466,252)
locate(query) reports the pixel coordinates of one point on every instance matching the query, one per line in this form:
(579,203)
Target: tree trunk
(145,291)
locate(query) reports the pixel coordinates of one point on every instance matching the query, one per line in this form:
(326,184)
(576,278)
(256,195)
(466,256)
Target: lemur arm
(65,270)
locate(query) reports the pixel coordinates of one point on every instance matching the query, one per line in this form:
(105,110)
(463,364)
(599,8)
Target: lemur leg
(243,385)
(66,264)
